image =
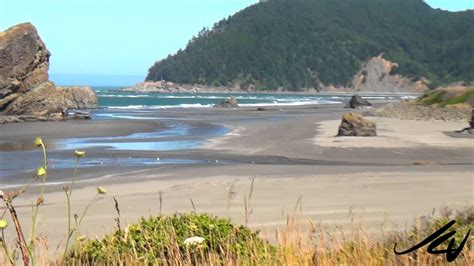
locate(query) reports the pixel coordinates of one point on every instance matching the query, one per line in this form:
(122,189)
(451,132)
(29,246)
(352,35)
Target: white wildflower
(190,241)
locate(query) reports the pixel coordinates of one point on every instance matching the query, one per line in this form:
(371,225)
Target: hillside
(318,43)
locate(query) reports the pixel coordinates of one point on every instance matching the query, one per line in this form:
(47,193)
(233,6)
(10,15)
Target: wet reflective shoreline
(19,158)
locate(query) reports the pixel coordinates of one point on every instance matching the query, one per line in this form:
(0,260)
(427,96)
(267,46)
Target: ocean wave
(294,103)
(378,97)
(213,97)
(192,105)
(199,105)
(123,96)
(409,97)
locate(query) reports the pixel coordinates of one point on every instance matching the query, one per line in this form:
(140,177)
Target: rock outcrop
(78,97)
(353,124)
(228,103)
(24,86)
(46,99)
(357,102)
(170,87)
(24,62)
(377,76)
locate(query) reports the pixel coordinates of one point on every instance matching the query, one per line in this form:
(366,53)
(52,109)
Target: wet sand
(298,165)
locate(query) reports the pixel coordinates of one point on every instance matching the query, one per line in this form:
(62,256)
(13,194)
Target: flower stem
(69,232)
(5,247)
(68,197)
(38,203)
(87,208)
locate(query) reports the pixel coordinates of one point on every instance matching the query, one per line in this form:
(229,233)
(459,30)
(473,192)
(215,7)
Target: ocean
(112,98)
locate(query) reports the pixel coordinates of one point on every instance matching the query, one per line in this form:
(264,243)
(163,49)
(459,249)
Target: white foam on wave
(199,105)
(135,107)
(193,105)
(409,97)
(294,103)
(212,97)
(124,96)
(127,117)
(127,107)
(378,97)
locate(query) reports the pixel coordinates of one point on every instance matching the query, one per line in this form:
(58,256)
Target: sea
(113,98)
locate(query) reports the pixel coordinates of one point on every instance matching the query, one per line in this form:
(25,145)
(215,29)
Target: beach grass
(447,97)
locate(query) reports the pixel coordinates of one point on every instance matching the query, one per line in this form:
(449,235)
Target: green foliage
(443,97)
(162,238)
(294,44)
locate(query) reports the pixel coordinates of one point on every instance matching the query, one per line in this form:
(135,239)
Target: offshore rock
(228,103)
(357,102)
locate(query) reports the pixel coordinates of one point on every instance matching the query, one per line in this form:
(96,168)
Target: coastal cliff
(26,94)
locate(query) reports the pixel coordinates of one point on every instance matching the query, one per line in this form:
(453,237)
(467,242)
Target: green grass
(441,98)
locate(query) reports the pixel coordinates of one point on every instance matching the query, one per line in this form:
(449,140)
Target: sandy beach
(298,166)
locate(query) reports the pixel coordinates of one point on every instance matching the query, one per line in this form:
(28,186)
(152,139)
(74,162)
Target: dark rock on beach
(357,102)
(470,129)
(355,125)
(25,91)
(228,103)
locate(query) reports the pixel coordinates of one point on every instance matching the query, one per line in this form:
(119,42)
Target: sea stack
(228,103)
(357,102)
(26,94)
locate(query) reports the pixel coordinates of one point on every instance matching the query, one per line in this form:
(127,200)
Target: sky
(114,42)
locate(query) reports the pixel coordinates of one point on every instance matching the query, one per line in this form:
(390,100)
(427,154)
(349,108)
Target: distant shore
(169,87)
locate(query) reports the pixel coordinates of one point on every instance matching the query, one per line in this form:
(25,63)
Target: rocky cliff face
(24,61)
(24,85)
(376,76)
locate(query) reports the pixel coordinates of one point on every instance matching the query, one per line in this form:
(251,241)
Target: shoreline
(339,182)
(286,92)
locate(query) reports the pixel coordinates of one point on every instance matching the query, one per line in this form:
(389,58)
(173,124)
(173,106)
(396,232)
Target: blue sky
(107,38)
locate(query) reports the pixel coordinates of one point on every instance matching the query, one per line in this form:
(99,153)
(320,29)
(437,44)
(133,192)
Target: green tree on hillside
(296,44)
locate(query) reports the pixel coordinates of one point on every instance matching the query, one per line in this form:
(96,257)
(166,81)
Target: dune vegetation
(445,97)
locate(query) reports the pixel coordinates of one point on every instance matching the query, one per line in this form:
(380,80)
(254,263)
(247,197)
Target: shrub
(161,239)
